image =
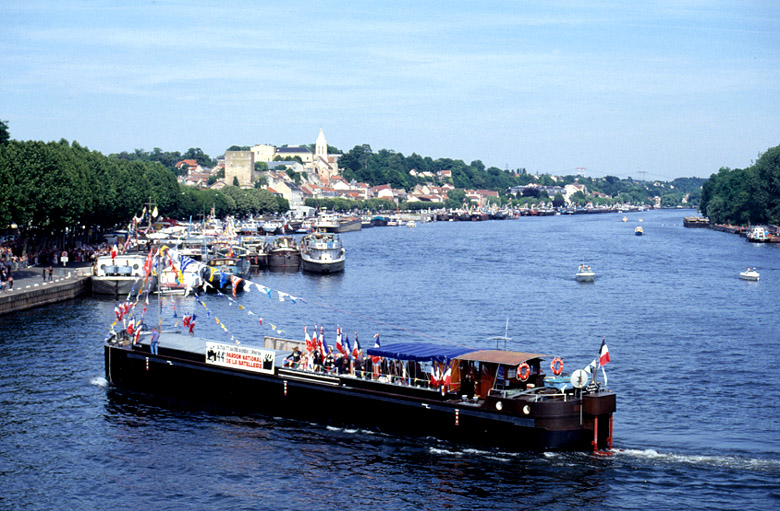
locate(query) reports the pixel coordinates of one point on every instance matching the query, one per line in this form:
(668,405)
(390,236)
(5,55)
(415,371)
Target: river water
(694,355)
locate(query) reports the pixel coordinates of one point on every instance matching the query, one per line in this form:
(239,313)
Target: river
(693,357)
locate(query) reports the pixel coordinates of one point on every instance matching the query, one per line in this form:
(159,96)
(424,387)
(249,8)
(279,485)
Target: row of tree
(54,188)
(168,159)
(745,196)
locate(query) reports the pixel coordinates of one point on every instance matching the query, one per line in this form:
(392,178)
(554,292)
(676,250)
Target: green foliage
(344,205)
(388,167)
(420,206)
(239,148)
(5,134)
(261,166)
(745,196)
(51,187)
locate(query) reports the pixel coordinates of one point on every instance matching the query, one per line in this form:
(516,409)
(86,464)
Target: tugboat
(322,252)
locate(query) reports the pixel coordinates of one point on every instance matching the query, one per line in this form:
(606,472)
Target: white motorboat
(585,274)
(749,274)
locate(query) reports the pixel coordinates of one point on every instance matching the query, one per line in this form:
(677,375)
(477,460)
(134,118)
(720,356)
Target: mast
(504,338)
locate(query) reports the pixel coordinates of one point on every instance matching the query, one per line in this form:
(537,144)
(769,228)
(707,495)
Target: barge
(491,398)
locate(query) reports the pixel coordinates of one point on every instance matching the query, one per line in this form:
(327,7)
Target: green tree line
(745,196)
(55,188)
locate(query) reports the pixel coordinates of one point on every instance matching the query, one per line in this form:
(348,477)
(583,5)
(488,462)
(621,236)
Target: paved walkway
(32,277)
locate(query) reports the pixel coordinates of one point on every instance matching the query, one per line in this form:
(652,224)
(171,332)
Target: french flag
(604,353)
(339,346)
(356,349)
(347,349)
(309,345)
(323,345)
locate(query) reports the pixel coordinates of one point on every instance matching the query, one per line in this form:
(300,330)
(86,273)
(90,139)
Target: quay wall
(30,296)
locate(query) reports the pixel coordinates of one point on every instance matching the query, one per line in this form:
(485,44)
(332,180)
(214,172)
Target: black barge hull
(349,401)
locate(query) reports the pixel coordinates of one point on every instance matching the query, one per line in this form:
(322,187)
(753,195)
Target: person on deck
(294,359)
(155,340)
(329,361)
(317,360)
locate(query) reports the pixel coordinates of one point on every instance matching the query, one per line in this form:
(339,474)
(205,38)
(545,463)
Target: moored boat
(322,253)
(331,222)
(639,231)
(492,398)
(284,254)
(226,273)
(759,234)
(695,221)
(117,275)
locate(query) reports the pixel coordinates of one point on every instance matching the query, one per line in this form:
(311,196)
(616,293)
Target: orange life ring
(557,366)
(523,371)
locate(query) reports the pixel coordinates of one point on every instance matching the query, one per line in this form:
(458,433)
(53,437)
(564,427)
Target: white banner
(240,357)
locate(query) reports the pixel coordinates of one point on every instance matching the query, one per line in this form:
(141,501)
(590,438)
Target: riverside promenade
(32,290)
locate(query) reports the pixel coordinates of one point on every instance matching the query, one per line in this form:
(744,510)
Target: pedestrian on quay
(10,280)
(44,274)
(51,273)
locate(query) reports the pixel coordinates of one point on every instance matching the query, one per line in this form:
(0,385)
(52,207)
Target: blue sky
(642,89)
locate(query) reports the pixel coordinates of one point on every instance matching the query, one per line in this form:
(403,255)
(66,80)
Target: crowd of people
(359,365)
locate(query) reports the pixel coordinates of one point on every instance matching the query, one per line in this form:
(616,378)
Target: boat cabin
(496,372)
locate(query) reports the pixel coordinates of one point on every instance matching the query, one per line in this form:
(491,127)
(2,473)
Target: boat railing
(533,394)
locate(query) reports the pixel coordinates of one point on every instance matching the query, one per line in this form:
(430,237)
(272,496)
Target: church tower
(325,165)
(321,147)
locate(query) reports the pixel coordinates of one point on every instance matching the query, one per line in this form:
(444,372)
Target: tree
(558,200)
(235,181)
(5,134)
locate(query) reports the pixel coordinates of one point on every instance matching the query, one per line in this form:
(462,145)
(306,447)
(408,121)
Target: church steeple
(321,147)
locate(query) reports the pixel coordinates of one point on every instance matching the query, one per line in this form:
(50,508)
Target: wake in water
(726,461)
(99,382)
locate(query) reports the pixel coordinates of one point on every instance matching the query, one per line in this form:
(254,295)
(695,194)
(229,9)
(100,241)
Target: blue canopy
(419,352)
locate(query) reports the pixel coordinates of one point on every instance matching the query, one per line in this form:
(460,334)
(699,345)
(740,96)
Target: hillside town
(319,177)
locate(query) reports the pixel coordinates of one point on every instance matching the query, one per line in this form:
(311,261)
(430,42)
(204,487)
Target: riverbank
(31,289)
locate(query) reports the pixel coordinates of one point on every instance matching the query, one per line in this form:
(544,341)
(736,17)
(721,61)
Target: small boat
(749,274)
(585,274)
(759,234)
(639,231)
(625,219)
(322,252)
(411,223)
(331,222)
(379,220)
(284,254)
(117,275)
(272,227)
(223,270)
